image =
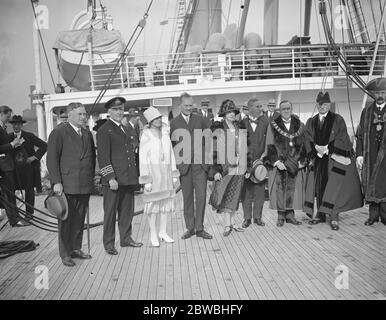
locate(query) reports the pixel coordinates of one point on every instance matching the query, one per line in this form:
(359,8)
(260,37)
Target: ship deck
(292,262)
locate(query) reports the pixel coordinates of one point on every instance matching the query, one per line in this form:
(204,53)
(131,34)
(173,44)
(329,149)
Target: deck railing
(237,65)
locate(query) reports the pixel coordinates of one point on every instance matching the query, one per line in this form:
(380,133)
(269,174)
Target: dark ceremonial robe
(335,185)
(371,144)
(285,190)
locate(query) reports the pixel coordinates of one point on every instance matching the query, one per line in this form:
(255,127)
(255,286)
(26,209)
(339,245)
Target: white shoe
(154,242)
(166,238)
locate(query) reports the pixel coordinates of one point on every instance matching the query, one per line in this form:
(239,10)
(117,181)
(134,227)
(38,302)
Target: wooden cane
(88,229)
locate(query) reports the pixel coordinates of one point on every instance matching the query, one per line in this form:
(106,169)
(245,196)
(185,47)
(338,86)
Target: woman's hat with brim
(259,172)
(151,114)
(226,107)
(57,205)
(17,119)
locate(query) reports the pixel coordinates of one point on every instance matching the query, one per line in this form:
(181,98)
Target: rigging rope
(124,54)
(347,78)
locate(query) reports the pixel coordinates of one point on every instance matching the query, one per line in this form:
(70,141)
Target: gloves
(148,187)
(360,162)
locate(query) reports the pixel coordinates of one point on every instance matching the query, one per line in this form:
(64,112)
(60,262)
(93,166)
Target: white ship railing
(237,65)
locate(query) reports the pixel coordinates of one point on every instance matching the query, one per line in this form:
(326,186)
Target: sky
(16,42)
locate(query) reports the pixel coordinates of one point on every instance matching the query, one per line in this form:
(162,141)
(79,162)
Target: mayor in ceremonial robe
(332,176)
(285,156)
(371,151)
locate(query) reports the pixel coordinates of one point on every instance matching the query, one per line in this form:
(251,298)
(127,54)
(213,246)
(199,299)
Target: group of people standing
(20,154)
(310,167)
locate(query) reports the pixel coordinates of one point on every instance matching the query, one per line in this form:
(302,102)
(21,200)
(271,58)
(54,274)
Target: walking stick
(88,229)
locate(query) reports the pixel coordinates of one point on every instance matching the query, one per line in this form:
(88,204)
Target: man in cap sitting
(254,192)
(332,177)
(284,155)
(371,153)
(119,169)
(27,161)
(71,166)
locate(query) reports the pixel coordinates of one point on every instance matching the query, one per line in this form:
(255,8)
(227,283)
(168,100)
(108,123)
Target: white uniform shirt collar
(381,106)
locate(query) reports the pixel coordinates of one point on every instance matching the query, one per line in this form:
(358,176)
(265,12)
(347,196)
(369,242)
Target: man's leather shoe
(112,251)
(259,222)
(80,254)
(369,222)
(132,243)
(203,234)
(334,227)
(246,223)
(68,262)
(293,221)
(21,223)
(280,223)
(188,234)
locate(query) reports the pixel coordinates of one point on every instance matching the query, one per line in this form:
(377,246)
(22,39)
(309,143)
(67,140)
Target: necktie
(253,121)
(79,132)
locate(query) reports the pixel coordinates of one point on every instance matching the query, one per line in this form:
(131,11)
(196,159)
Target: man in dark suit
(27,162)
(271,113)
(131,123)
(119,170)
(193,174)
(7,169)
(71,166)
(254,193)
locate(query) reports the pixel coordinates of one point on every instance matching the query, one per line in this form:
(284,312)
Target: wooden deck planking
(282,276)
(323,257)
(303,260)
(239,270)
(261,263)
(315,259)
(272,272)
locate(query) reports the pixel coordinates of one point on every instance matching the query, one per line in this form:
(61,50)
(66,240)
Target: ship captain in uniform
(119,170)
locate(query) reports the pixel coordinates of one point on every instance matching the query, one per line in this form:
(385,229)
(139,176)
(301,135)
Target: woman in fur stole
(230,162)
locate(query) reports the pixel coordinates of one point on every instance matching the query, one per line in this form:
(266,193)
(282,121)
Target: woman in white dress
(158,173)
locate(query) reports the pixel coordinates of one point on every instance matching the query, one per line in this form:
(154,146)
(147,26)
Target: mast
(38,94)
(206,21)
(240,34)
(307,17)
(271,22)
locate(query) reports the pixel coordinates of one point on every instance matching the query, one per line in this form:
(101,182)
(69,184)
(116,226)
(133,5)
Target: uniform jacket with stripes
(117,154)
